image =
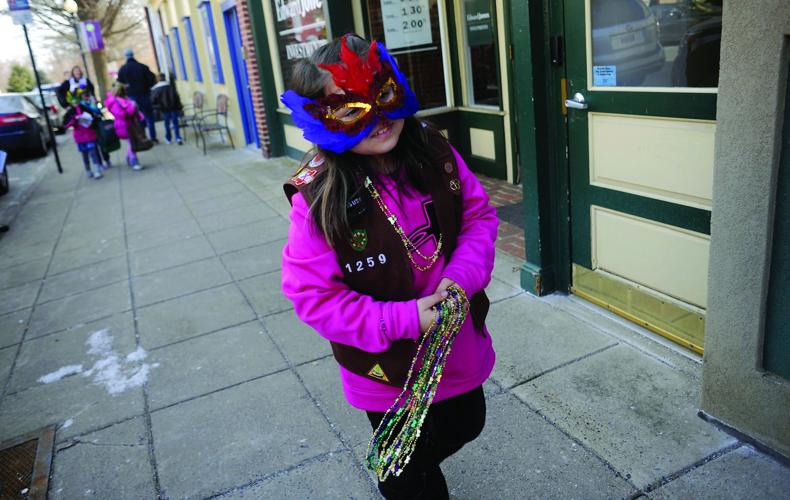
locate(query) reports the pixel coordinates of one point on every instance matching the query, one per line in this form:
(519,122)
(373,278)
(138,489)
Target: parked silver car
(56,113)
(625,36)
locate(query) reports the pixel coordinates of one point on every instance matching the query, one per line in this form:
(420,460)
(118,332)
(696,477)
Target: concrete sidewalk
(142,313)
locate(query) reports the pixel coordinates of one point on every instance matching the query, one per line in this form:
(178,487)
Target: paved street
(142,314)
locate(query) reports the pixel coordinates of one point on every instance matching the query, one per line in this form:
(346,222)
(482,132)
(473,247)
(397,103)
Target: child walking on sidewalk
(124,110)
(88,102)
(84,123)
(390,232)
(165,98)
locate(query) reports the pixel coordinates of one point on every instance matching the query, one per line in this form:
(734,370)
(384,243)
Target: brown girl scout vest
(374,259)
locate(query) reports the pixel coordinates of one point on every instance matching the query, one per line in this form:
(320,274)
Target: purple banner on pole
(91,32)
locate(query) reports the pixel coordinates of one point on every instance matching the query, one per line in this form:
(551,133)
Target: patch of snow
(100,343)
(137,355)
(67,423)
(58,374)
(114,372)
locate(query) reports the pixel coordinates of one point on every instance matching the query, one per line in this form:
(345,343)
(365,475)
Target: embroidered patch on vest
(317,161)
(304,176)
(359,240)
(377,373)
(455,185)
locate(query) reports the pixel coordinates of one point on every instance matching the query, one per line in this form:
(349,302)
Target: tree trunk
(100,70)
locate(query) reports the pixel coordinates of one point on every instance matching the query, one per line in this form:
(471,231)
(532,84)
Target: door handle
(577,102)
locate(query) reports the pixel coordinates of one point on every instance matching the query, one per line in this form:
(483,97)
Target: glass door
(641,103)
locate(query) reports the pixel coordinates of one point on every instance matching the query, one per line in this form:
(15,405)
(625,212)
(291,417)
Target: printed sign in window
(407,23)
(605,76)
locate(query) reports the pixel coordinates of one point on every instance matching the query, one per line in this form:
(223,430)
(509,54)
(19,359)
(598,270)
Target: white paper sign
(605,76)
(407,23)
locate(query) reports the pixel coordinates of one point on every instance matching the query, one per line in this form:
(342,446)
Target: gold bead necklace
(411,248)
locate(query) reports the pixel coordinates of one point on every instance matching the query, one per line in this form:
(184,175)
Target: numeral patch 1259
(368,263)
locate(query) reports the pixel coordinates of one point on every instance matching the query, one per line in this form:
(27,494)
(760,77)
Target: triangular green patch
(377,373)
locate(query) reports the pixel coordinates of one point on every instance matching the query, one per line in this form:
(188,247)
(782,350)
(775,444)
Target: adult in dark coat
(139,80)
(71,84)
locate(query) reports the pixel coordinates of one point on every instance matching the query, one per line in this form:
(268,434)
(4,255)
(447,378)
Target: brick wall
(254,76)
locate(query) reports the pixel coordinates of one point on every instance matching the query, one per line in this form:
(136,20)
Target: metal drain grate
(24,465)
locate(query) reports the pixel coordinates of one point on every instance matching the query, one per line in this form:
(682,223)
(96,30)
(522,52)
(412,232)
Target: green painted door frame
(541,139)
(270,98)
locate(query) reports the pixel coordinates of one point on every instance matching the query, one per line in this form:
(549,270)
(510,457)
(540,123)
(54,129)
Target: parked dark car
(625,35)
(22,126)
(675,19)
(697,63)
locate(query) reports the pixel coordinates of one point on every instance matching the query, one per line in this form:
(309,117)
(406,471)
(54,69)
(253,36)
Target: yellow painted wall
(173,11)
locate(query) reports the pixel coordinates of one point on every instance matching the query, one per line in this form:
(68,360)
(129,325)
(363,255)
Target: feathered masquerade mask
(373,87)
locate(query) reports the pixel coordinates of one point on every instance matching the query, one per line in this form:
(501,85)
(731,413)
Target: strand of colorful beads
(394,440)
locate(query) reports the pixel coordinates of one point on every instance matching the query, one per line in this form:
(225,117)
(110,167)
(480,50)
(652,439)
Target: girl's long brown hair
(345,171)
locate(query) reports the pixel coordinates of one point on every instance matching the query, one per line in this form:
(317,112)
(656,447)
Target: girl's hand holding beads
(426,311)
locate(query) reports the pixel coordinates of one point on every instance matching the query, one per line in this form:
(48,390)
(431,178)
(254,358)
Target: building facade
(608,113)
(207,46)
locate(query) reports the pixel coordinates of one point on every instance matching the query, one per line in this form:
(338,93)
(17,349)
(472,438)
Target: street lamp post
(71,7)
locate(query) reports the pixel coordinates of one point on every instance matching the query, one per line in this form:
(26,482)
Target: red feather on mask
(353,73)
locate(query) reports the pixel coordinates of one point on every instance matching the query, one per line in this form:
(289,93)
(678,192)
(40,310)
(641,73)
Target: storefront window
(479,18)
(210,37)
(180,51)
(171,65)
(411,31)
(655,43)
(301,29)
(193,53)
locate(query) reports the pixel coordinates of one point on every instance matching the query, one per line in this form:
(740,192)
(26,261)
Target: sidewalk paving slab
(235,217)
(330,476)
(321,378)
(180,280)
(248,235)
(63,261)
(255,260)
(741,473)
(24,273)
(520,455)
(12,327)
(160,234)
(171,254)
(211,362)
(74,402)
(264,294)
(297,340)
(79,308)
(189,316)
(110,463)
(83,279)
(18,297)
(44,355)
(635,411)
(530,338)
(238,435)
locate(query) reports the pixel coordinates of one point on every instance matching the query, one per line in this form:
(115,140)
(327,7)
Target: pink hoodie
(313,280)
(81,134)
(122,109)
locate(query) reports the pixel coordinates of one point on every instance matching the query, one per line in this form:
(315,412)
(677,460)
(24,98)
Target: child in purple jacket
(84,121)
(386,216)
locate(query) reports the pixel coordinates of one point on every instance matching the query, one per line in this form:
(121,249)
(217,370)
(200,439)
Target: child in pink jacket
(384,219)
(84,122)
(124,109)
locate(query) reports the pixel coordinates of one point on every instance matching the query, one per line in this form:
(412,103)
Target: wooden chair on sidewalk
(215,120)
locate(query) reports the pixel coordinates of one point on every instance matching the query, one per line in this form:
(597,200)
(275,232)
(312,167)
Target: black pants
(450,424)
